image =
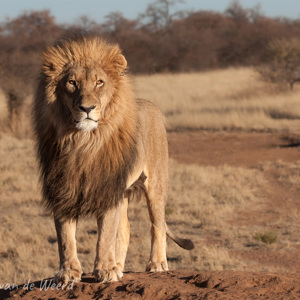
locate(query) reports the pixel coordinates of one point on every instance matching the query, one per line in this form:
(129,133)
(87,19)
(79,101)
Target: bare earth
(174,285)
(249,150)
(252,150)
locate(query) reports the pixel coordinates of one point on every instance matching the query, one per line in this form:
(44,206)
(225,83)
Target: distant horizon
(68,12)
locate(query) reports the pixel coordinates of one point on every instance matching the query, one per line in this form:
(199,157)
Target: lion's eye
(72,82)
(99,82)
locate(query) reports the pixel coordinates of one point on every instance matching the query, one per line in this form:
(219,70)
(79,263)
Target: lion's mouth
(88,118)
(87,124)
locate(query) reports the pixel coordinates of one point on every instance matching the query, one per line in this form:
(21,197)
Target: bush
(284,62)
(267,237)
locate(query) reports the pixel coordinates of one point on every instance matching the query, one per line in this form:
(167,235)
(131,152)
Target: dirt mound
(169,285)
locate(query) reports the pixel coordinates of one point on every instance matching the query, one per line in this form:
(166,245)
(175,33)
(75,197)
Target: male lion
(97,146)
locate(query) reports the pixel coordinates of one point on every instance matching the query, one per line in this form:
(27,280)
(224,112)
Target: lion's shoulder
(149,112)
(152,129)
(146,105)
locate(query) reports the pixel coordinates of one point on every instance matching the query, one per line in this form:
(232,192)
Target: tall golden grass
(201,199)
(222,99)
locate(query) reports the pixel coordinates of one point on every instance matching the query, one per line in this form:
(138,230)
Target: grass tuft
(269,237)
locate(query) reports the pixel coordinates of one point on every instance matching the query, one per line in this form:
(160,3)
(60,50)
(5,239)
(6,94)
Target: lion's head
(83,76)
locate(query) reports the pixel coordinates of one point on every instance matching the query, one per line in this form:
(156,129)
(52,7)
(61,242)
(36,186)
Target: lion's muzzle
(86,120)
(87,109)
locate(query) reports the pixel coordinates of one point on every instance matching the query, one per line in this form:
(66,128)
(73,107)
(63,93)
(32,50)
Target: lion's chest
(79,185)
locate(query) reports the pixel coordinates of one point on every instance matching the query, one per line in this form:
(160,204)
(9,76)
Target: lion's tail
(136,191)
(183,243)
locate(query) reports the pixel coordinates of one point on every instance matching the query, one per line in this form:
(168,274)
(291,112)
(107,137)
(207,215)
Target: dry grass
(201,199)
(29,247)
(226,99)
(14,123)
(287,173)
(215,100)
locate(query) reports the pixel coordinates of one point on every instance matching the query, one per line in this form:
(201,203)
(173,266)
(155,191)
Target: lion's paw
(66,276)
(157,266)
(104,275)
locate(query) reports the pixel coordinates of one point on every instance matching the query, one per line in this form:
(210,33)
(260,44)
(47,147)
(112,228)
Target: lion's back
(152,131)
(150,116)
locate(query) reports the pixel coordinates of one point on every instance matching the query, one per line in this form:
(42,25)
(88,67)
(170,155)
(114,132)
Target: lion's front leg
(105,267)
(123,236)
(70,268)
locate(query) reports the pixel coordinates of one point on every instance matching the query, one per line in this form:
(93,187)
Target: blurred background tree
(21,42)
(283,61)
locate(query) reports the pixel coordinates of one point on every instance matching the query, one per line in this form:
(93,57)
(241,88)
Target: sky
(68,11)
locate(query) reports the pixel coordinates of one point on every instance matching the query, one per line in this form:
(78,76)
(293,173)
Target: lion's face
(80,79)
(86,92)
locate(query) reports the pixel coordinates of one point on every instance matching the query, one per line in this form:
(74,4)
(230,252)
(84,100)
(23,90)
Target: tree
(237,12)
(284,61)
(21,42)
(160,14)
(86,24)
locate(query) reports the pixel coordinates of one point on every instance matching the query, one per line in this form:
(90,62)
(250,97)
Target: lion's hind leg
(156,199)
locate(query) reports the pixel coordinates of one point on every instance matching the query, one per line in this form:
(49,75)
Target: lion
(98,146)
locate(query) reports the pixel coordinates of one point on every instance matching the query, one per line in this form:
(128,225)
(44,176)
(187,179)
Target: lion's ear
(54,60)
(120,63)
(52,68)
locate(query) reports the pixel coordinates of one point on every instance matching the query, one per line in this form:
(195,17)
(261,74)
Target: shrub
(284,62)
(269,237)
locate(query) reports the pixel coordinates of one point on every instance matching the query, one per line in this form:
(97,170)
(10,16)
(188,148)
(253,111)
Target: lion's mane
(83,172)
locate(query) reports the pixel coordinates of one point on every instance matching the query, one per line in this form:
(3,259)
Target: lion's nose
(86,109)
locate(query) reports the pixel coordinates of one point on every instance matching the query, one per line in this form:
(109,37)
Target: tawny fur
(98,146)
